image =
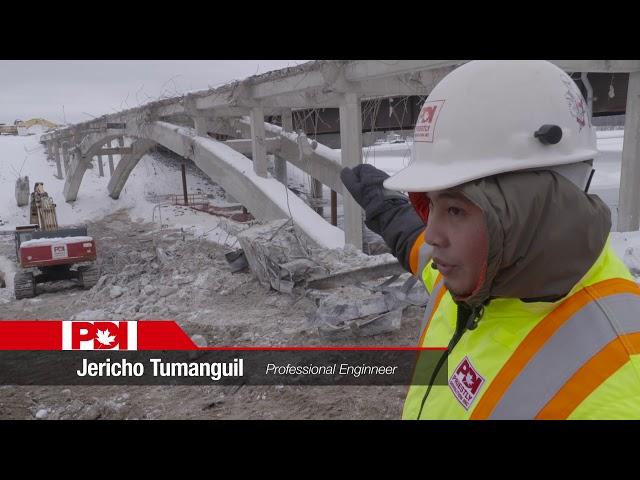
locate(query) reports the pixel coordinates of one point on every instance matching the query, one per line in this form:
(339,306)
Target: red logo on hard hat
(426,124)
(576,103)
(465,383)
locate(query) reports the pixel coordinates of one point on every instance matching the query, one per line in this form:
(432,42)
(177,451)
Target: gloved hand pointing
(364,183)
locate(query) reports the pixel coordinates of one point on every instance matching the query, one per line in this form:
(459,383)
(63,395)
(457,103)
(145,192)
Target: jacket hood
(544,234)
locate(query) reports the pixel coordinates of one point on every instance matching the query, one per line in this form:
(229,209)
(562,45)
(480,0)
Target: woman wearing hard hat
(540,318)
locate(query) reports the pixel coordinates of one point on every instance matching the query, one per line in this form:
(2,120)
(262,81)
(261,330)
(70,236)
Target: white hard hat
(489,117)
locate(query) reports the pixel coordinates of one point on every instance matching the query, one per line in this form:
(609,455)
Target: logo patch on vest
(465,383)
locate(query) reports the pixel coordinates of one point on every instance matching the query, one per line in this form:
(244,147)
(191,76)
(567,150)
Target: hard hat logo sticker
(426,125)
(576,104)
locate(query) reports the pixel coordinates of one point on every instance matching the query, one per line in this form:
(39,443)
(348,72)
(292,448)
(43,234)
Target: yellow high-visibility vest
(577,358)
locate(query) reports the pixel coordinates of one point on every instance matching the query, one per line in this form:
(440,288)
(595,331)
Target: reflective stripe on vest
(545,369)
(434,302)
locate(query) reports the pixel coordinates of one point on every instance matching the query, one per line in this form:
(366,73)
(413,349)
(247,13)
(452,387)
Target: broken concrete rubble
(345,284)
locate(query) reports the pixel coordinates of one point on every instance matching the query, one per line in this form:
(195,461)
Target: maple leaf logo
(104,338)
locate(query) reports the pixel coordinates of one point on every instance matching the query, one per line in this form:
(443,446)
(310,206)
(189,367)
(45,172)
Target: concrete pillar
(280,169)
(65,157)
(56,156)
(629,200)
(334,208)
(100,169)
(201,124)
(280,163)
(287,120)
(258,149)
(351,148)
(316,193)
(110,158)
(49,152)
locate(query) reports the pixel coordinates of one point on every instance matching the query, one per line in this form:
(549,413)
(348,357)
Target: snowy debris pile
(154,274)
(344,283)
(283,258)
(278,254)
(365,308)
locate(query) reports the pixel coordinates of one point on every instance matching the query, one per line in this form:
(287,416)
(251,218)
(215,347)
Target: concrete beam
(323,163)
(114,151)
(288,84)
(100,168)
(126,165)
(110,157)
(92,143)
(317,84)
(65,157)
(234,173)
(351,149)
(56,157)
(360,70)
(202,125)
(245,146)
(629,200)
(316,194)
(602,66)
(280,163)
(77,167)
(83,153)
(259,152)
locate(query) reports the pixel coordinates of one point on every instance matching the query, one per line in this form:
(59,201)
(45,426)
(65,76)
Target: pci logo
(59,251)
(465,383)
(426,124)
(78,335)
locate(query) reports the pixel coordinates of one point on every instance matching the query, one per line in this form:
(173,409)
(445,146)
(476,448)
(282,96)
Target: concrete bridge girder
(83,153)
(126,165)
(265,198)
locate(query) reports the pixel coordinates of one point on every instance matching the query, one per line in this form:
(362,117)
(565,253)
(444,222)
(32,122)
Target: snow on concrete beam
(629,200)
(265,198)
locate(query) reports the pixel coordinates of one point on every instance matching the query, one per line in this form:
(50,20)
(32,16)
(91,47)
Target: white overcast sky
(86,88)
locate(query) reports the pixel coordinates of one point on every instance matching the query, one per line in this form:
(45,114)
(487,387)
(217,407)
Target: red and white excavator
(47,253)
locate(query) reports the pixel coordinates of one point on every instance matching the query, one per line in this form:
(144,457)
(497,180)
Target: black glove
(388,213)
(364,183)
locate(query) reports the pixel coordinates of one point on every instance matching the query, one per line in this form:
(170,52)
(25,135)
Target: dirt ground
(189,281)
